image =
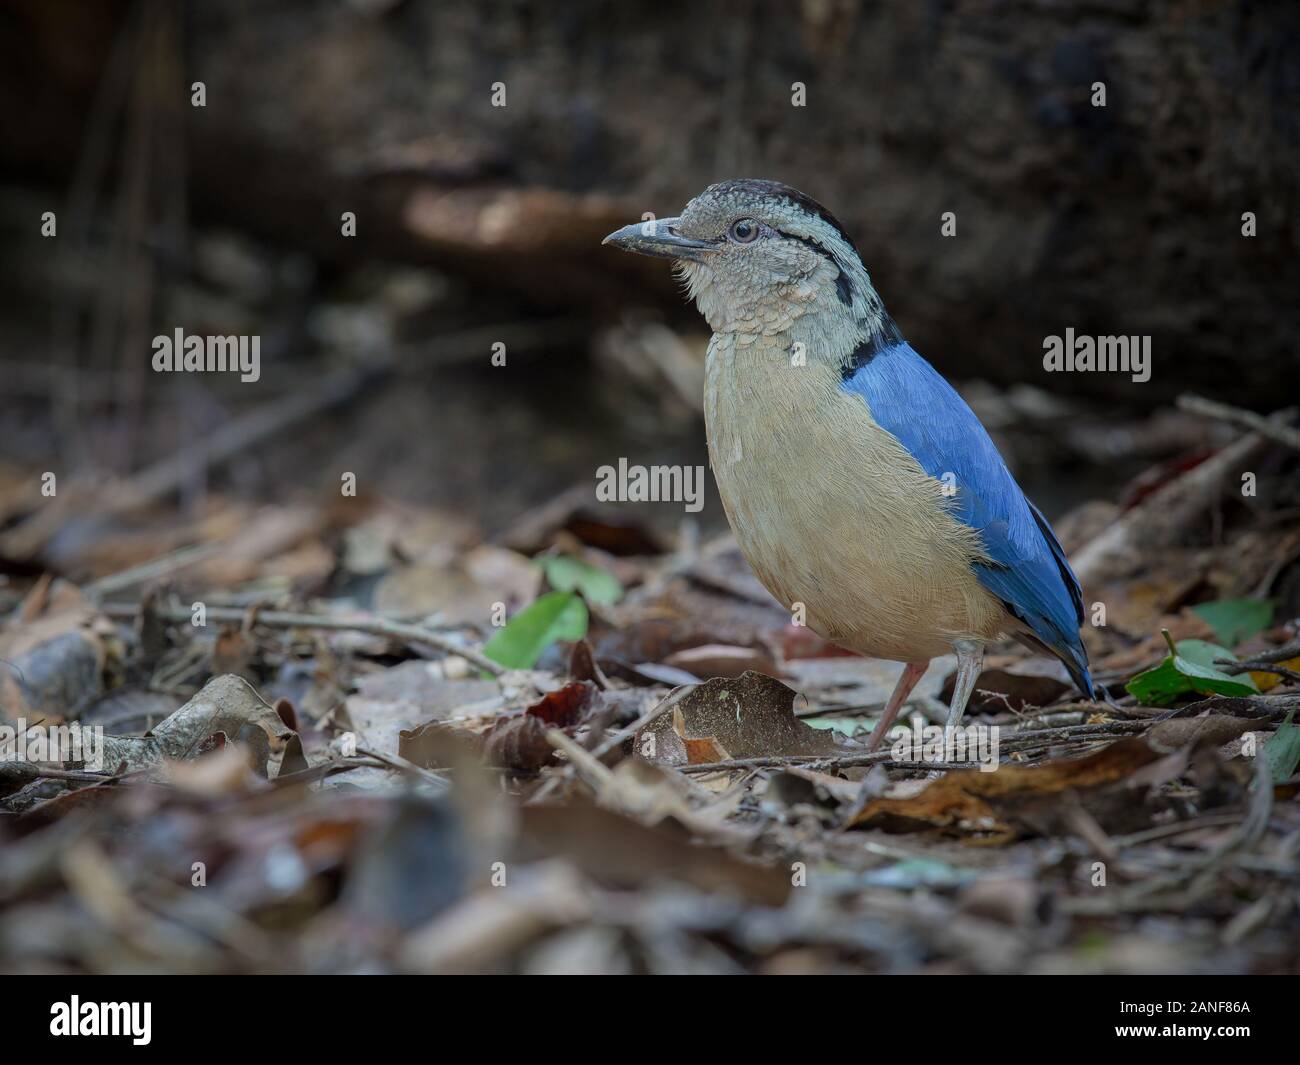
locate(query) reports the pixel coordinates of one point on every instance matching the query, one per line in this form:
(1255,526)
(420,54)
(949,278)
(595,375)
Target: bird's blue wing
(1027,569)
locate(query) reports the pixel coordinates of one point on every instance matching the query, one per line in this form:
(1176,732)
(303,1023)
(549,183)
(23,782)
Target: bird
(861,488)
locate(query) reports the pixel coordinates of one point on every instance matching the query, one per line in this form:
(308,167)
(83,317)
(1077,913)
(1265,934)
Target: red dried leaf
(565,707)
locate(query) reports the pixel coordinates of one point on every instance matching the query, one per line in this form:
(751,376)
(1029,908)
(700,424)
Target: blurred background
(479,224)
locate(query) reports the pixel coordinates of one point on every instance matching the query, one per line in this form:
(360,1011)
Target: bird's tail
(1072,656)
(1080,674)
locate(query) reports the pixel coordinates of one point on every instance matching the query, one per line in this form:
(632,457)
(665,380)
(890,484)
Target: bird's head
(757,256)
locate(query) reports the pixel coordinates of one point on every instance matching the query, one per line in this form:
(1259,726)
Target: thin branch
(615,738)
(1254,665)
(279,620)
(1014,742)
(146,571)
(1247,419)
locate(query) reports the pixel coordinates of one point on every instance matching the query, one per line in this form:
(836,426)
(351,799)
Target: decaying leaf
(227,704)
(701,750)
(746,717)
(1209,730)
(583,665)
(435,745)
(516,741)
(225,769)
(403,698)
(974,801)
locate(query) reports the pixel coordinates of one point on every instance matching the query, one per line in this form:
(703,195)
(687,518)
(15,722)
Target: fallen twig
(146,571)
(615,738)
(396,761)
(1169,511)
(17,774)
(1271,427)
(1014,742)
(275,619)
(1265,662)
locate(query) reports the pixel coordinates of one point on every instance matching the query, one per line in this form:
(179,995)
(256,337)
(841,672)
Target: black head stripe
(843,286)
(761,188)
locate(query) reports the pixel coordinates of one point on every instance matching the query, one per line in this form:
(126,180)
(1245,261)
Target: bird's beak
(656,237)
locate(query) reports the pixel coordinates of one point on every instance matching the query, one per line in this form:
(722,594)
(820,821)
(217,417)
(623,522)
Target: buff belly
(832,512)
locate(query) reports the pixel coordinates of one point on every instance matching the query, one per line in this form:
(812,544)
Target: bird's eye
(743,230)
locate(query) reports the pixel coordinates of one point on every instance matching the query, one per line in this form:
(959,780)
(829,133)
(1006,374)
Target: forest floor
(367,735)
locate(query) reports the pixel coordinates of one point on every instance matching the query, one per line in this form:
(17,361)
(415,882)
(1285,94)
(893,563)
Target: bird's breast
(832,511)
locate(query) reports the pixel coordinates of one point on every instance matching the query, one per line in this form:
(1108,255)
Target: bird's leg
(912,672)
(970,662)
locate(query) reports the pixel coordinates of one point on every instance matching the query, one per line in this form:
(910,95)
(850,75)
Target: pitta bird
(857,481)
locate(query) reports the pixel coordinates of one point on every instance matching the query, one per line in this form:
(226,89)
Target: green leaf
(567,574)
(554,616)
(1189,669)
(1234,620)
(1203,653)
(1283,750)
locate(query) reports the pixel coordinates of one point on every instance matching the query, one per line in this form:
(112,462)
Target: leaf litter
(658,773)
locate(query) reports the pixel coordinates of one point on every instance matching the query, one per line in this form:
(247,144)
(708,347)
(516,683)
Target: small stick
(614,739)
(1255,665)
(1168,511)
(25,772)
(1278,654)
(280,620)
(653,714)
(158,567)
(1016,741)
(1246,419)
(396,761)
(588,765)
(1265,662)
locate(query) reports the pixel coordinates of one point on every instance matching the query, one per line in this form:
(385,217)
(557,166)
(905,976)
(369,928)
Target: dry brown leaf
(749,716)
(972,800)
(1210,730)
(702,750)
(226,704)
